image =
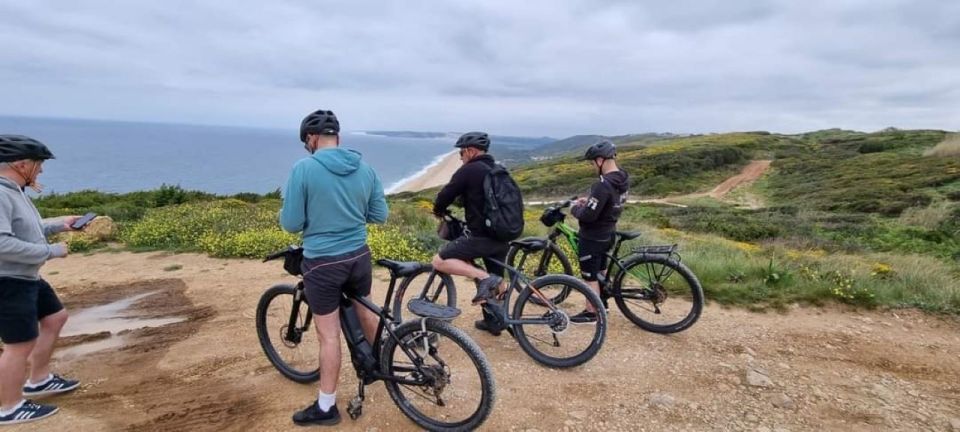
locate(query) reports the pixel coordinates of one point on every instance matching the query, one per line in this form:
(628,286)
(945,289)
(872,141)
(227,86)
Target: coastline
(437,173)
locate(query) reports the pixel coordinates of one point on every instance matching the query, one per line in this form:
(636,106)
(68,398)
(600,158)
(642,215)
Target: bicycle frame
(358,358)
(567,232)
(516,276)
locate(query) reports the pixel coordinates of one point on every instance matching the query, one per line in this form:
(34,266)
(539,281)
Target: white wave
(423,171)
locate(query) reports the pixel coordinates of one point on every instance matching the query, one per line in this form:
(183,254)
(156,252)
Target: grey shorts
(325,279)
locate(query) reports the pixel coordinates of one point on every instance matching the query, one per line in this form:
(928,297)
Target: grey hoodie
(23,235)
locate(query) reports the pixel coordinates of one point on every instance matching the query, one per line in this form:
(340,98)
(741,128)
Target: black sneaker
(487,288)
(584,316)
(312,415)
(28,412)
(57,384)
(485,326)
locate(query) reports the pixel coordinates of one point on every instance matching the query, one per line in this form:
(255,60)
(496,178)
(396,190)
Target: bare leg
(13,372)
(50,327)
(328,333)
(595,286)
(368,320)
(459,268)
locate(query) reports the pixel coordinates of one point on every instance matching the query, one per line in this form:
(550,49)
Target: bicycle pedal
(355,408)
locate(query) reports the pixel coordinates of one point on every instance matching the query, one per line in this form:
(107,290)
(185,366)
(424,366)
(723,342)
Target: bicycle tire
(693,284)
(446,286)
(279,292)
(477,358)
(542,270)
(572,284)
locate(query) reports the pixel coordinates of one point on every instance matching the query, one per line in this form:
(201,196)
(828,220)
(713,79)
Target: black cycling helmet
(323,122)
(603,149)
(19,147)
(478,140)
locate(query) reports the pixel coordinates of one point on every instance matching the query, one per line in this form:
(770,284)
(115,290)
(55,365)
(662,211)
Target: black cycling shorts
(23,303)
(593,258)
(469,248)
(326,278)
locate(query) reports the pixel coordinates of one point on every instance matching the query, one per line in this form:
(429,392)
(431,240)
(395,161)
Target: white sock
(11,410)
(42,382)
(325,401)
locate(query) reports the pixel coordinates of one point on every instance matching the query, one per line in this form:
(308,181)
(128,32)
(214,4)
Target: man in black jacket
(456,257)
(598,215)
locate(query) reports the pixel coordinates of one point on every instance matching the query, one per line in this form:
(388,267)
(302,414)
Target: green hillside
(868,219)
(657,168)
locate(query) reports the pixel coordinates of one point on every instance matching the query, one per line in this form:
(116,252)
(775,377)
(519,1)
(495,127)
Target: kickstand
(355,407)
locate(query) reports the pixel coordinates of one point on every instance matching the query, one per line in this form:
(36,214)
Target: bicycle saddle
(531,244)
(628,235)
(426,309)
(400,269)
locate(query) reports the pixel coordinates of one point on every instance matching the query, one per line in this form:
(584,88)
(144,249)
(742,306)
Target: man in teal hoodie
(330,197)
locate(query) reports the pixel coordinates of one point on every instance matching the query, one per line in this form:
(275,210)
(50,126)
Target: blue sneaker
(28,412)
(55,385)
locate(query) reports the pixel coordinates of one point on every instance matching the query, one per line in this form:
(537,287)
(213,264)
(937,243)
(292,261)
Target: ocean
(121,157)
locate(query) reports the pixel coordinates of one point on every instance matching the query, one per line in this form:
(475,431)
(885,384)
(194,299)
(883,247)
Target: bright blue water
(123,157)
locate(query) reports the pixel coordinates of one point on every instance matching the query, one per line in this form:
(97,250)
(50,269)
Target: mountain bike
(641,282)
(543,328)
(433,371)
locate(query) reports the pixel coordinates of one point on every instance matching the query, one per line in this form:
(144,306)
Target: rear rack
(659,250)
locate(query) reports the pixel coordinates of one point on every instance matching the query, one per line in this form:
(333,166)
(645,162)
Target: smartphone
(83,221)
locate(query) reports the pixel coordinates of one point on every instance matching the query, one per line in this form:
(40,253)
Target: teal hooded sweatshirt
(330,197)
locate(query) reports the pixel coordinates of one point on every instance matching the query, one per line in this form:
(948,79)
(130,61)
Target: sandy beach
(434,175)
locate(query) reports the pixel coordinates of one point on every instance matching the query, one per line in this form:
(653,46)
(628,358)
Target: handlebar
(448,215)
(565,204)
(290,249)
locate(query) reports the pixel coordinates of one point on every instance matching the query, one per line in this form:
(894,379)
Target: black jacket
(598,217)
(467,183)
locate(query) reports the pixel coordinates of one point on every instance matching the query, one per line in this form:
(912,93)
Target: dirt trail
(825,369)
(749,174)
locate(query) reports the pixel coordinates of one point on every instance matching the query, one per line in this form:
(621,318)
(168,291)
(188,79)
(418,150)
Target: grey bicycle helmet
(19,147)
(323,122)
(603,149)
(478,140)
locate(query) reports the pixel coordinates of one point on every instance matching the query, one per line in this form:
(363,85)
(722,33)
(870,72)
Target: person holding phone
(31,315)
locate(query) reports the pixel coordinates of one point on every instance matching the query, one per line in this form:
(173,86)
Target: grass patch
(774,276)
(173,267)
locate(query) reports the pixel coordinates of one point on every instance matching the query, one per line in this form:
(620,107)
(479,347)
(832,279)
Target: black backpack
(502,204)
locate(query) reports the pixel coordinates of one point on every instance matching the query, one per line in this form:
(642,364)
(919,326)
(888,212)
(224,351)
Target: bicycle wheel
(548,334)
(428,284)
(449,385)
(551,260)
(658,293)
(295,354)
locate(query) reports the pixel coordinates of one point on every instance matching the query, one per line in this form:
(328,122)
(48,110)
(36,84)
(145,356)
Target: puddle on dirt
(75,351)
(108,318)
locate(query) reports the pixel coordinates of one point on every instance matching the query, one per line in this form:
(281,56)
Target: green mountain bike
(650,285)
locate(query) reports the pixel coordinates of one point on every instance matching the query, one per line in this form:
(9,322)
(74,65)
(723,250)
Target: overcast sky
(534,67)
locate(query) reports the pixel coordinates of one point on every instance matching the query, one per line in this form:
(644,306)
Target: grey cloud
(538,67)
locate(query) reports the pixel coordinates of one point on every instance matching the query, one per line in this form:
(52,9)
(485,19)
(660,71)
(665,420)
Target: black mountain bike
(650,285)
(433,371)
(541,318)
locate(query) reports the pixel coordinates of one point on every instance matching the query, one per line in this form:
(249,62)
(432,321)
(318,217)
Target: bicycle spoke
(656,295)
